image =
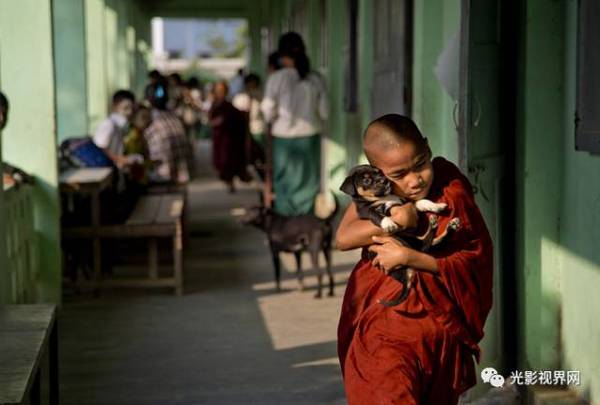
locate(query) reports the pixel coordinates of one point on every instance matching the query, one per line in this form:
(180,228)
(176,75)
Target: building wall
(578,256)
(118,53)
(97,90)
(435,23)
(540,151)
(559,220)
(29,141)
(69,56)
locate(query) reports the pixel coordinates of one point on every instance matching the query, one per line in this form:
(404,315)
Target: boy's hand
(405,215)
(391,254)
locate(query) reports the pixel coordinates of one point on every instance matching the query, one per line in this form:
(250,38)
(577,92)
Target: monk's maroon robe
(228,136)
(421,351)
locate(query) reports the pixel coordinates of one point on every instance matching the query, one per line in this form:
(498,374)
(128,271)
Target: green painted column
(142,53)
(256,63)
(580,231)
(365,61)
(97,91)
(69,57)
(434,24)
(337,147)
(540,151)
(118,45)
(27,71)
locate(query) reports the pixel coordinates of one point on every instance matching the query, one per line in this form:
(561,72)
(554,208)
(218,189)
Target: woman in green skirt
(295,103)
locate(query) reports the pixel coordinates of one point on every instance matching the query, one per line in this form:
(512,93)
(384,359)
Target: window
(587,113)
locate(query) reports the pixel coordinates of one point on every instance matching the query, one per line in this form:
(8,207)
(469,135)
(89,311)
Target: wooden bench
(28,338)
(154,216)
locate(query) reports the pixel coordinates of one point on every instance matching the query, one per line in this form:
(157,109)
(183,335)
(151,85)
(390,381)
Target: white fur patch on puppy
(389,225)
(430,206)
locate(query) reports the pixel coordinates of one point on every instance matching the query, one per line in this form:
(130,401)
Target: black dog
(372,193)
(296,235)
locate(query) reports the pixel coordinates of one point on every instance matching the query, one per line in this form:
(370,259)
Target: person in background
(11,175)
(110,133)
(136,147)
(295,103)
(156,84)
(192,107)
(249,102)
(175,92)
(228,134)
(3,111)
(236,85)
(273,64)
(167,143)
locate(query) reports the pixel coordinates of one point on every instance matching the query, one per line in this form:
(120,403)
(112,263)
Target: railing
(22,246)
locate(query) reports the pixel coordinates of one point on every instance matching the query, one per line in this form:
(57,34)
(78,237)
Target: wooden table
(89,181)
(28,333)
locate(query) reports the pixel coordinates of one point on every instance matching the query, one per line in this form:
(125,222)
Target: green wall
(540,151)
(558,212)
(97,91)
(69,57)
(579,256)
(435,22)
(29,141)
(118,44)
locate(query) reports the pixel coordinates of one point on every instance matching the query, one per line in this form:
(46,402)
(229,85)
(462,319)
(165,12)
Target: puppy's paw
(454,224)
(430,206)
(389,225)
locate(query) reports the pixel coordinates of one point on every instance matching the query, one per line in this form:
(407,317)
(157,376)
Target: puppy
(296,235)
(372,193)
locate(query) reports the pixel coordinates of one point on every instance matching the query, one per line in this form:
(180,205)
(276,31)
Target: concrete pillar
(97,91)
(69,56)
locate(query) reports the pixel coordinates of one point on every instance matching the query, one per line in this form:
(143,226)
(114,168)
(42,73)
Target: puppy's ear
(348,186)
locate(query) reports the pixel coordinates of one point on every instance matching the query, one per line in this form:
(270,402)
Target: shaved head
(389,132)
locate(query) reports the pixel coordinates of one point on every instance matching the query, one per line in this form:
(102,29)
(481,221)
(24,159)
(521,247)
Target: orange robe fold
(421,351)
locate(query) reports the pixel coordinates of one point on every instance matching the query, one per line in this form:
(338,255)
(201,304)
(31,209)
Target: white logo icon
(490,375)
(487,373)
(497,381)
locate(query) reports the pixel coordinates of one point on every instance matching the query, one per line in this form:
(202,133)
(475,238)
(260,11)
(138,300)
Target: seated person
(421,351)
(11,175)
(168,143)
(136,147)
(110,133)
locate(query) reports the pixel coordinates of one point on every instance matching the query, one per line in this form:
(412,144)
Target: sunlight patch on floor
(294,319)
(322,362)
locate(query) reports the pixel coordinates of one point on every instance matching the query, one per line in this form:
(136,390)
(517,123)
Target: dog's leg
(428,236)
(314,256)
(298,256)
(327,253)
(277,267)
(453,226)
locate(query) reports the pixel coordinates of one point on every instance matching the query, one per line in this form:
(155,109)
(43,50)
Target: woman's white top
(295,107)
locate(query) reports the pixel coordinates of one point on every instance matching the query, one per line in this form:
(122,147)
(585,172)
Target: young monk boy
(421,351)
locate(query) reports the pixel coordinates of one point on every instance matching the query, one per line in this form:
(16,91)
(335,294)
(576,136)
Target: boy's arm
(353,232)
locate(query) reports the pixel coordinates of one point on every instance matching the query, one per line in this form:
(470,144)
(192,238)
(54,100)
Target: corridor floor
(229,340)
